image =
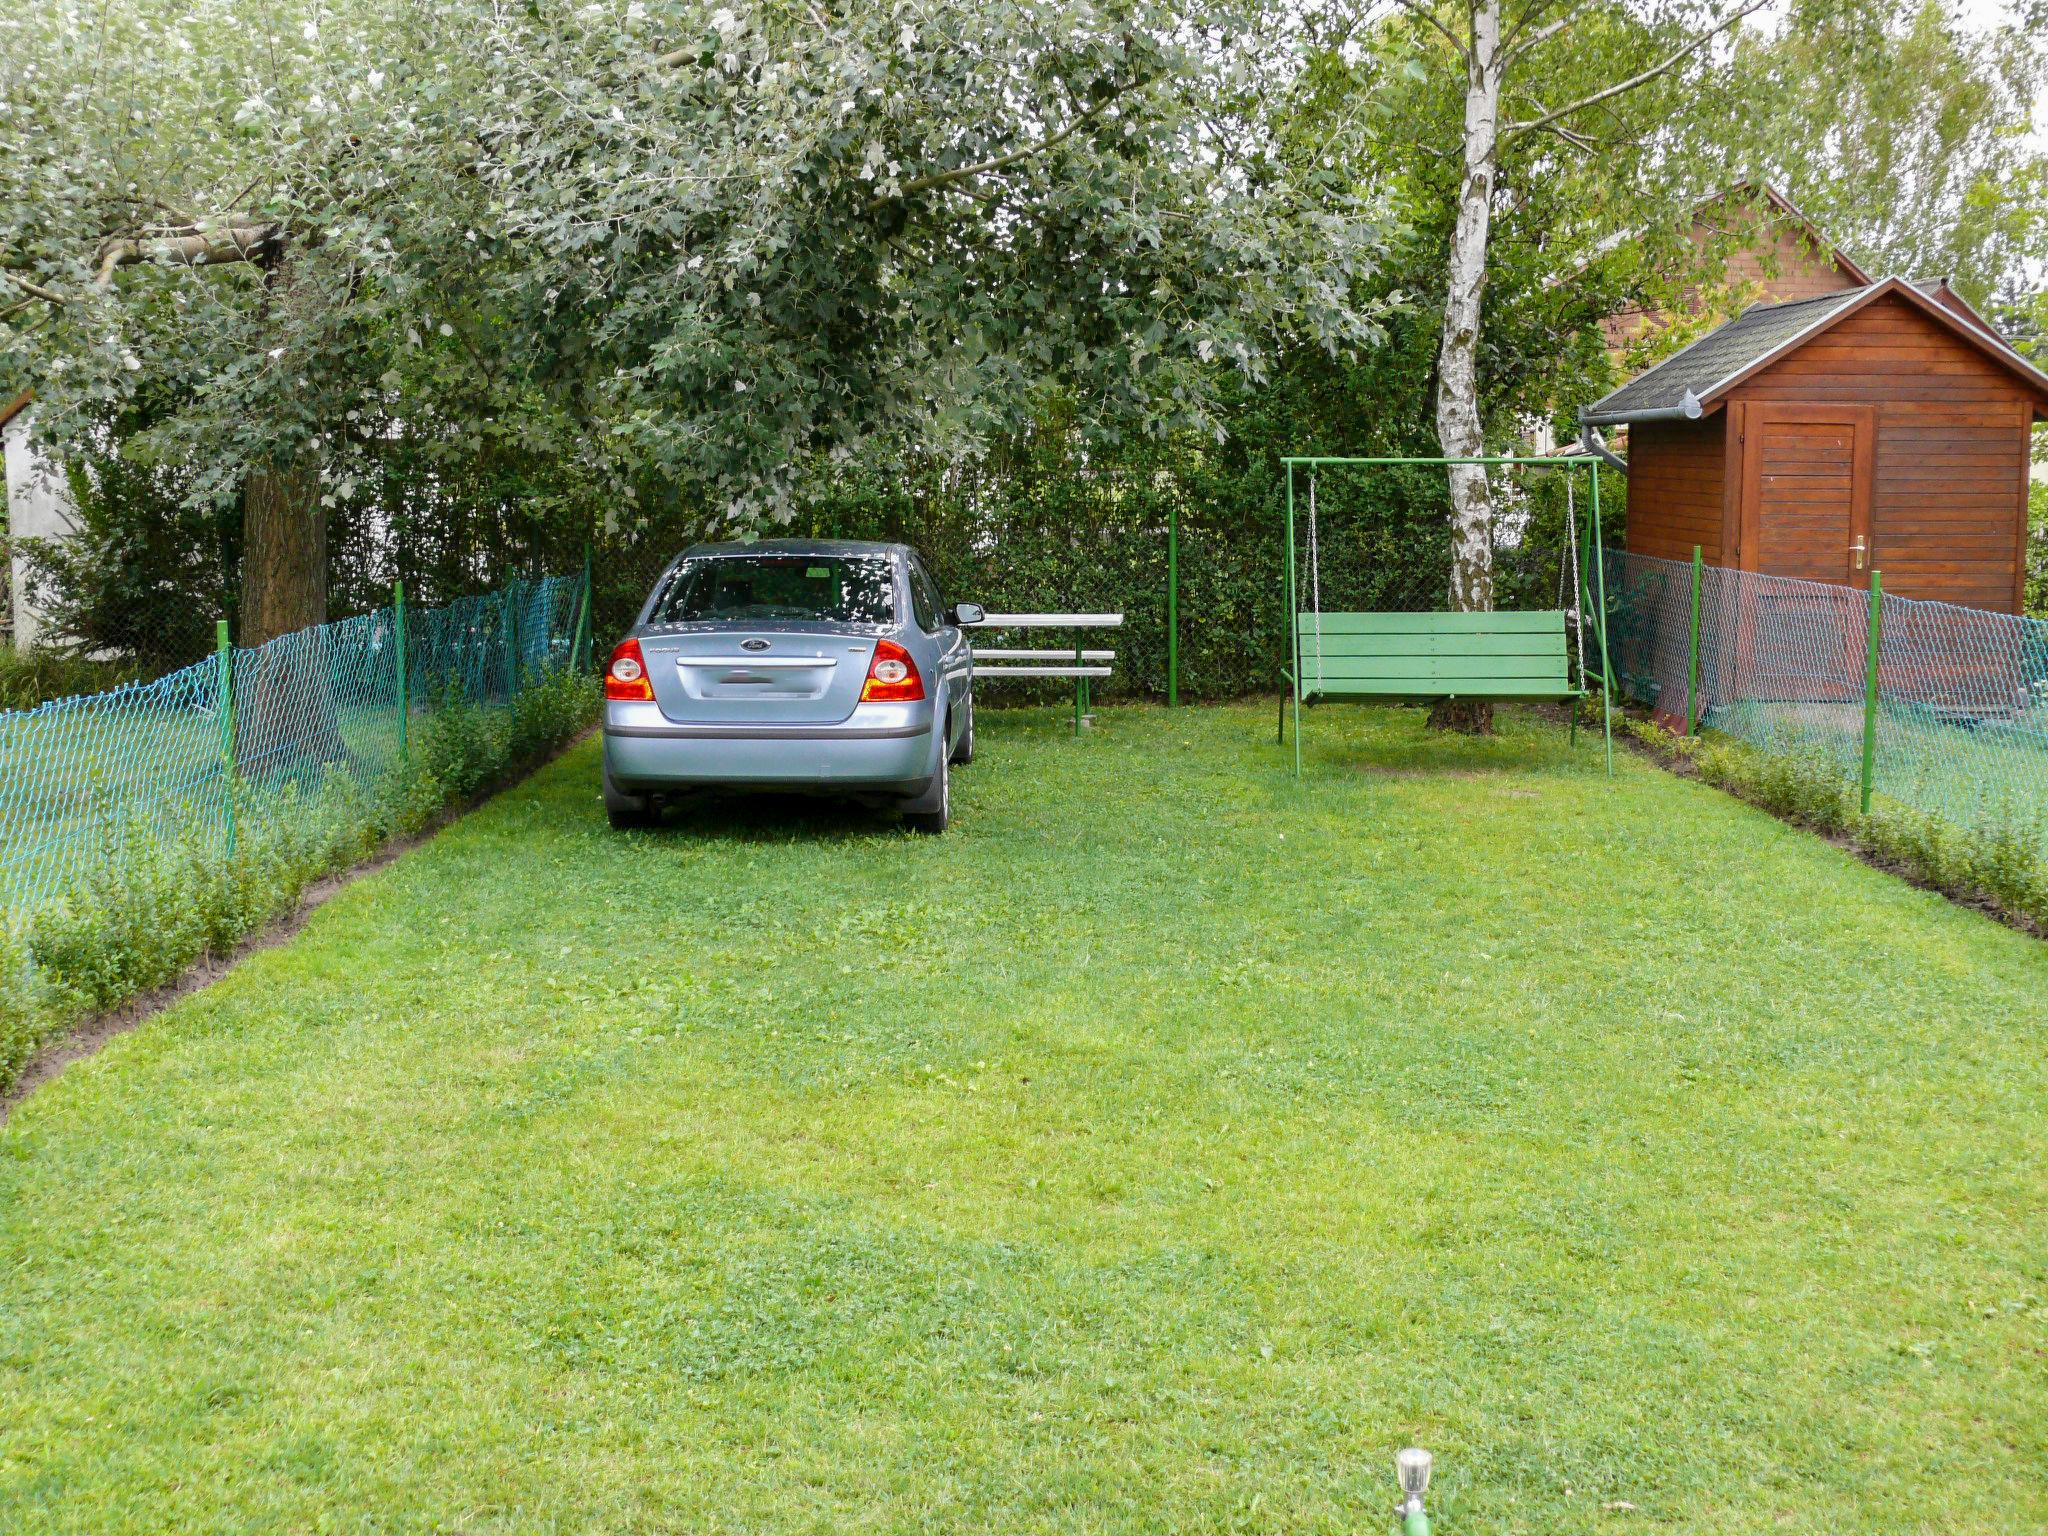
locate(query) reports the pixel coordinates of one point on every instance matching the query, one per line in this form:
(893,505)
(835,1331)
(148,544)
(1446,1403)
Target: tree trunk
(286,722)
(1457,397)
(284,554)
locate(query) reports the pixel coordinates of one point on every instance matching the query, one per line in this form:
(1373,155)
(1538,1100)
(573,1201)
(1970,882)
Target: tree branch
(36,290)
(936,179)
(1663,67)
(192,245)
(161,206)
(1518,44)
(1421,10)
(1571,136)
(1578,141)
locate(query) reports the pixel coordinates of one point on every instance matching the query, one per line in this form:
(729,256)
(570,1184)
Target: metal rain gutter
(1688,409)
(1591,442)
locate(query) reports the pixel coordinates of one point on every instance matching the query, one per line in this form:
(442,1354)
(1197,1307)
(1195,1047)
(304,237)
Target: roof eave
(1707,397)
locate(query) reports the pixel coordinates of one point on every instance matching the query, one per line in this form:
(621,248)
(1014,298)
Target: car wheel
(931,811)
(963,750)
(624,811)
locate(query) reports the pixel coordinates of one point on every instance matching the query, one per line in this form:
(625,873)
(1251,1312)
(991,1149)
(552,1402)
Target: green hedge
(1056,538)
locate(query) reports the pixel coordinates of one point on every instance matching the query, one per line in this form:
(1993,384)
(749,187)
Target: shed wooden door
(1806,490)
(1806,496)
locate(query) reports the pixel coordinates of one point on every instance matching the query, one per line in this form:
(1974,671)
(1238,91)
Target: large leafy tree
(1906,132)
(211,207)
(856,230)
(708,246)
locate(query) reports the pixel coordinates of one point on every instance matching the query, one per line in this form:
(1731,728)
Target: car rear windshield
(837,589)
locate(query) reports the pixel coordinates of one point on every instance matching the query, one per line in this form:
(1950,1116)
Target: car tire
(626,812)
(963,750)
(932,810)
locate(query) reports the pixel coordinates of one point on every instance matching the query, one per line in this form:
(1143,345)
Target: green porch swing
(1420,658)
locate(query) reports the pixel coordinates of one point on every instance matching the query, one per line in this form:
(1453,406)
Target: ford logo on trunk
(753,645)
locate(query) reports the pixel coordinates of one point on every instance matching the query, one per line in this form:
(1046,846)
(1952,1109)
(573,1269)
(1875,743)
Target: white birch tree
(1508,52)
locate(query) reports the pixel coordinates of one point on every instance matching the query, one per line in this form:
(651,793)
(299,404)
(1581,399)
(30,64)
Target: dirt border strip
(90,1036)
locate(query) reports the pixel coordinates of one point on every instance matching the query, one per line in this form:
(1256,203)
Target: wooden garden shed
(1885,427)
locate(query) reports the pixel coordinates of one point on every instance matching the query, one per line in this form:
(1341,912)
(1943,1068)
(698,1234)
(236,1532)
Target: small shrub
(550,711)
(463,745)
(2004,863)
(22,1004)
(30,678)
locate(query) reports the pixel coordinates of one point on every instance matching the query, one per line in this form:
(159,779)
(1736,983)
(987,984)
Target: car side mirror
(967,613)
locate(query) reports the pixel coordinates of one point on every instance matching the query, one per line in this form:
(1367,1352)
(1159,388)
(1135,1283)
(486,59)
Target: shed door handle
(1858,548)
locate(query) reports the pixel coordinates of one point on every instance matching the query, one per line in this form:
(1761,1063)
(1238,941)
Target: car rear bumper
(879,747)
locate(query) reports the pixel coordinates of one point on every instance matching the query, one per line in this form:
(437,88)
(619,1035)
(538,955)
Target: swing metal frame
(1311,464)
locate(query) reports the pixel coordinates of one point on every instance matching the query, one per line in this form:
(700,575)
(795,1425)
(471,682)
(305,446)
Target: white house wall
(38,507)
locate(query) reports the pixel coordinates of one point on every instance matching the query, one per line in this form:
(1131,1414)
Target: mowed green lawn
(1157,1151)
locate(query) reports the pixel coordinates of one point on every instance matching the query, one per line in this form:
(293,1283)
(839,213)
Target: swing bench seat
(1424,657)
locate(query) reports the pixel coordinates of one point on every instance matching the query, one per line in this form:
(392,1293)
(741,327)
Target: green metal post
(401,667)
(584,617)
(1172,604)
(1293,624)
(1870,686)
(226,652)
(1606,656)
(1692,666)
(1584,572)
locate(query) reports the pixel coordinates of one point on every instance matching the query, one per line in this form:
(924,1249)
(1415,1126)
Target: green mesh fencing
(1960,728)
(225,739)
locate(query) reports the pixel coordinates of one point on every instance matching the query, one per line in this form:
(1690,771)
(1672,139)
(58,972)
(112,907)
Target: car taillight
(625,675)
(892,676)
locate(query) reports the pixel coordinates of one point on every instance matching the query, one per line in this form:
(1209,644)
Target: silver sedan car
(806,665)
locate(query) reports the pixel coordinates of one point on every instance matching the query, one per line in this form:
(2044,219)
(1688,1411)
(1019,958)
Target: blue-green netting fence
(224,738)
(1960,723)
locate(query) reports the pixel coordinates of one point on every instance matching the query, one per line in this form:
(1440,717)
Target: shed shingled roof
(1764,332)
(1723,352)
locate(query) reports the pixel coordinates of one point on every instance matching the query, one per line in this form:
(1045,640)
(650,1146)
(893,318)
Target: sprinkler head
(1412,1468)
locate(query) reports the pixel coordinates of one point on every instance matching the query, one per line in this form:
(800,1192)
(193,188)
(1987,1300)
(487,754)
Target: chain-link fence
(243,732)
(1955,718)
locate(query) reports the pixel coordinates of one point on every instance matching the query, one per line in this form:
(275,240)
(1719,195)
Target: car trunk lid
(785,674)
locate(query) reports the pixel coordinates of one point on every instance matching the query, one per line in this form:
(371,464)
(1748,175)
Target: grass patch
(1156,1151)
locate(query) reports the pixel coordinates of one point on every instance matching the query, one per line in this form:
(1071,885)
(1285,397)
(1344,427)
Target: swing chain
(1571,540)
